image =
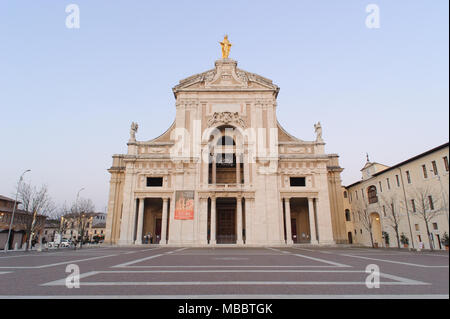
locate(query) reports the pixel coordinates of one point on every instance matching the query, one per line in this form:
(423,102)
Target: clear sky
(68,96)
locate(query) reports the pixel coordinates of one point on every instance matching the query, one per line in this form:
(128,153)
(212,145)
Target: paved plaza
(226,272)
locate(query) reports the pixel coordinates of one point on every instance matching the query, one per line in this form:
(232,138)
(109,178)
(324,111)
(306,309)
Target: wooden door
(226,226)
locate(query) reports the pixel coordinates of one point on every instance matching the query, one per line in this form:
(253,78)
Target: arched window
(372,194)
(347,215)
(226,164)
(226,140)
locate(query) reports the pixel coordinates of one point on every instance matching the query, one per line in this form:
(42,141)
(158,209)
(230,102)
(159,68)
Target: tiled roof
(6,198)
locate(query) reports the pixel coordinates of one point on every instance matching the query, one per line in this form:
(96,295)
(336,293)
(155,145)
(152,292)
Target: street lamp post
(14,210)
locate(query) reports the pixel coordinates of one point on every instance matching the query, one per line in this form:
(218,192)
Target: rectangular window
(435,226)
(445,158)
(435,170)
(417,227)
(298,181)
(398,181)
(413,205)
(384,211)
(154,182)
(362,193)
(408,177)
(381,188)
(424,169)
(356,193)
(388,184)
(430,200)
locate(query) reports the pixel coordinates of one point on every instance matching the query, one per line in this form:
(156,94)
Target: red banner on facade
(184,205)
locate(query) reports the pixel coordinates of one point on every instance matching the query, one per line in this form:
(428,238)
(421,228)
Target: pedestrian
(151,237)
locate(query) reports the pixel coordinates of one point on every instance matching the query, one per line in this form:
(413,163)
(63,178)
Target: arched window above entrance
(226,141)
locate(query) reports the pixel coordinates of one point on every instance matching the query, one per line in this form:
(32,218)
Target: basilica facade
(225,172)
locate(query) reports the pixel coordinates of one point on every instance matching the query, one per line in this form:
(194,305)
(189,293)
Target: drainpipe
(406,205)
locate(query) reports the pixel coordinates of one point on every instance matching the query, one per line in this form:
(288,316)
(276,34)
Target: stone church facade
(225,172)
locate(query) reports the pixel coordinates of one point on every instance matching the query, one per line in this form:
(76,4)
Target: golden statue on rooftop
(226,45)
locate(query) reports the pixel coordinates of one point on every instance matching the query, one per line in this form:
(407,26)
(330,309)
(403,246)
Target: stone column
(246,161)
(140,222)
(239,220)
(132,223)
(248,220)
(171,234)
(163,240)
(128,209)
(324,226)
(111,217)
(214,168)
(312,221)
(203,221)
(238,169)
(287,216)
(213,221)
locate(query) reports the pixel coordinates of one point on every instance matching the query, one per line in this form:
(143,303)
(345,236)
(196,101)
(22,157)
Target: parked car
(66,243)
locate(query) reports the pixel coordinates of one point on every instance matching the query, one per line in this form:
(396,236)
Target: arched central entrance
(226,221)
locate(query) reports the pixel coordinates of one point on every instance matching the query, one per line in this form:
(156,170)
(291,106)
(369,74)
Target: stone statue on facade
(318,130)
(133,130)
(226,45)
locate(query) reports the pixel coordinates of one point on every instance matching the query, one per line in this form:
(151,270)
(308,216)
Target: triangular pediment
(225,76)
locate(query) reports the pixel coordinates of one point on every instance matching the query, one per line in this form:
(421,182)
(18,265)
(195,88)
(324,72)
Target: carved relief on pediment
(209,76)
(221,118)
(242,76)
(225,75)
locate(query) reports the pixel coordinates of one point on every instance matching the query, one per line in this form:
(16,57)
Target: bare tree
(365,219)
(60,215)
(425,206)
(81,211)
(35,201)
(393,217)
